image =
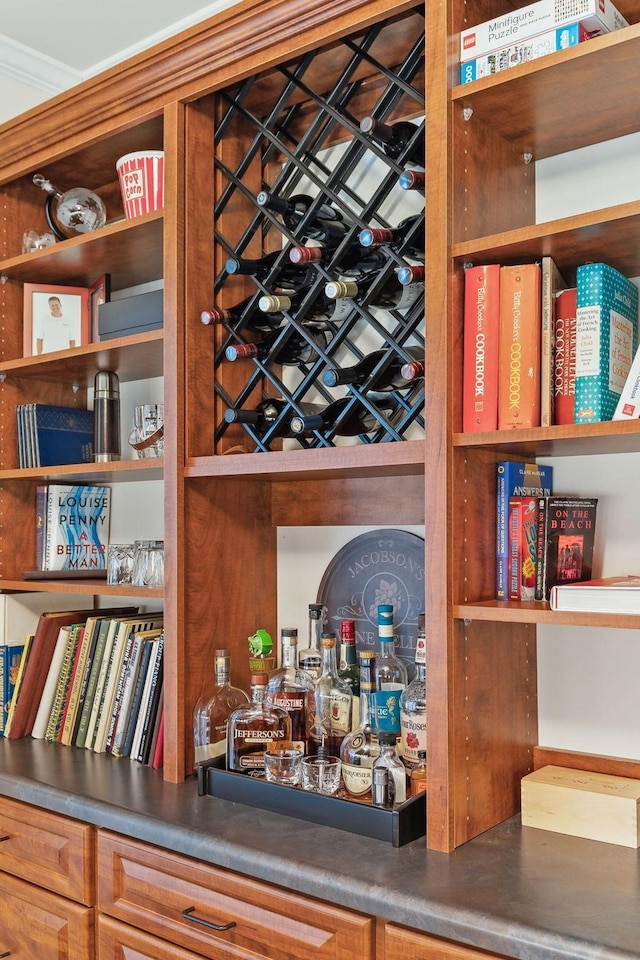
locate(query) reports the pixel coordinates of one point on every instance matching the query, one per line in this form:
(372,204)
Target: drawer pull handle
(8,953)
(2,840)
(188,914)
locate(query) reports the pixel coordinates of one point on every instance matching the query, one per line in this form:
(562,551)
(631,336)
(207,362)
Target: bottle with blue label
(390,676)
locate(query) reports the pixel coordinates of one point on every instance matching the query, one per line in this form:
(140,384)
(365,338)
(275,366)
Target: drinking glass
(147,437)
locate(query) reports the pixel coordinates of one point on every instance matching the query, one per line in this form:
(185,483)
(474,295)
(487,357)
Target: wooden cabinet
(217,913)
(401,943)
(36,923)
(117,941)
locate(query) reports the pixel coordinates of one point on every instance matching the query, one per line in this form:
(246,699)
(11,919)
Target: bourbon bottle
(253,728)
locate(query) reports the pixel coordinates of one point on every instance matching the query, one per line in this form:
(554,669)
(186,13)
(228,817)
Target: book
(606,339)
(18,684)
(76,527)
(606,595)
(564,357)
(39,728)
(10,655)
(523,540)
(136,699)
(101,679)
(480,363)
(628,406)
(514,478)
(50,435)
(519,347)
(552,283)
(129,683)
(158,754)
(523,51)
(77,680)
(152,676)
(566,536)
(59,705)
(157,725)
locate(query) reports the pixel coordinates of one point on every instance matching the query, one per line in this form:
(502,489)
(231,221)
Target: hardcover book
(514,478)
(606,595)
(76,527)
(519,348)
(10,654)
(628,406)
(564,358)
(49,435)
(566,536)
(552,284)
(480,365)
(606,339)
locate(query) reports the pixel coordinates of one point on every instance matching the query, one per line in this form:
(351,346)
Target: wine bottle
(355,421)
(388,378)
(412,180)
(414,370)
(289,273)
(396,236)
(267,413)
(325,223)
(410,275)
(255,321)
(389,294)
(354,259)
(395,137)
(336,310)
(296,349)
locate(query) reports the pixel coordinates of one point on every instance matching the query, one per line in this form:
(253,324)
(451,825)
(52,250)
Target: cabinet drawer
(39,924)
(44,848)
(403,944)
(118,941)
(183,900)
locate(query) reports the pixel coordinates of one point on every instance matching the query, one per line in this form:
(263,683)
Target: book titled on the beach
(565,541)
(606,595)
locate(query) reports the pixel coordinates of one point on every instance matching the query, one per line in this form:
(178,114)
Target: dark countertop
(525,893)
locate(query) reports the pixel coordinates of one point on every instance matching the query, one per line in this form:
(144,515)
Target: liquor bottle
(267,413)
(360,747)
(347,667)
(251,729)
(411,274)
(333,703)
(388,378)
(412,180)
(292,689)
(295,349)
(355,421)
(212,710)
(413,708)
(418,775)
(390,677)
(388,775)
(325,223)
(390,294)
(394,138)
(396,236)
(309,658)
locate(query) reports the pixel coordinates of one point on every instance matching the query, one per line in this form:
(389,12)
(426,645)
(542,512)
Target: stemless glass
(147,437)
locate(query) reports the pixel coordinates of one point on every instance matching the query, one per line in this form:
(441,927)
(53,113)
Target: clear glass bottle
(360,748)
(348,669)
(388,774)
(212,710)
(413,708)
(390,676)
(333,704)
(252,728)
(292,689)
(309,658)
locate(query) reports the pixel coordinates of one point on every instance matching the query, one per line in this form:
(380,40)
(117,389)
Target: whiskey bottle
(344,418)
(412,180)
(347,667)
(408,236)
(251,729)
(390,677)
(394,138)
(388,377)
(413,709)
(333,703)
(418,775)
(388,775)
(292,689)
(360,747)
(389,294)
(309,659)
(295,349)
(212,710)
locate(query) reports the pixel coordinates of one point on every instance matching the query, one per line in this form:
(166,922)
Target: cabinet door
(118,941)
(38,924)
(47,849)
(220,914)
(402,944)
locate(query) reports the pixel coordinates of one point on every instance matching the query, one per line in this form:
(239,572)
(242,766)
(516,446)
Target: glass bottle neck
(289,654)
(328,661)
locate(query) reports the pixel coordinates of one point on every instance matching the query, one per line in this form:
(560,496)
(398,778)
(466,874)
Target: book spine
(149,714)
(480,365)
(137,698)
(4,686)
(540,552)
(41,525)
(519,349)
(117,703)
(129,683)
(502,532)
(515,525)
(551,283)
(564,357)
(628,406)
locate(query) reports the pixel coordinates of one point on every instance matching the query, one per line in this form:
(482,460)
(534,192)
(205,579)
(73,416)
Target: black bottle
(358,420)
(361,373)
(266,414)
(412,180)
(396,236)
(326,223)
(295,349)
(389,294)
(394,137)
(257,320)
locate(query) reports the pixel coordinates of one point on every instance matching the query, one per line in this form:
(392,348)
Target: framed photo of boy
(55,318)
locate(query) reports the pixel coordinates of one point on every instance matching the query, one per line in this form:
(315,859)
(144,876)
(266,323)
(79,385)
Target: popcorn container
(141,178)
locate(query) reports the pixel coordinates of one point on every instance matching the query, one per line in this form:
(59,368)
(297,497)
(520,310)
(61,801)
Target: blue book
(606,339)
(515,478)
(61,435)
(9,662)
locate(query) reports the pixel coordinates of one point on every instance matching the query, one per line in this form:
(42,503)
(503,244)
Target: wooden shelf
(580,439)
(133,358)
(537,612)
(113,472)
(97,588)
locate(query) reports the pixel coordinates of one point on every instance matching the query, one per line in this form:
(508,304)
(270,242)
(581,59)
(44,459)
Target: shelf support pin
(527,157)
(467,112)
(75,387)
(3,278)
(3,377)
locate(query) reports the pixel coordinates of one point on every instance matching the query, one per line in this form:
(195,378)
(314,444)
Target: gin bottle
(253,728)
(390,677)
(333,703)
(212,711)
(360,748)
(309,658)
(413,709)
(292,689)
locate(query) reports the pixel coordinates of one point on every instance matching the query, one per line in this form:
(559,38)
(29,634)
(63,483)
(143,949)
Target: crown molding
(26,65)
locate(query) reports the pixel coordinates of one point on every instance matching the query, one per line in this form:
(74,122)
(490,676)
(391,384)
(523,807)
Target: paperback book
(10,654)
(566,536)
(523,539)
(73,527)
(514,478)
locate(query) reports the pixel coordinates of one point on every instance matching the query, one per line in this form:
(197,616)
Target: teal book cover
(606,339)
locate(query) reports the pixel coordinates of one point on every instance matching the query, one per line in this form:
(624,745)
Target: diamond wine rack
(296,131)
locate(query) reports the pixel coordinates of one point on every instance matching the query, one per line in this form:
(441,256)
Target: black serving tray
(406,823)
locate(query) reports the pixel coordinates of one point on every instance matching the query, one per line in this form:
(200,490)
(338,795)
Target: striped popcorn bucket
(141,178)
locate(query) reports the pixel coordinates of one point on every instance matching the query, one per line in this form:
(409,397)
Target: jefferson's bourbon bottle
(253,728)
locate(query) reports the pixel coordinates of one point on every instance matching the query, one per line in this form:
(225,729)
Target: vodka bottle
(309,658)
(212,711)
